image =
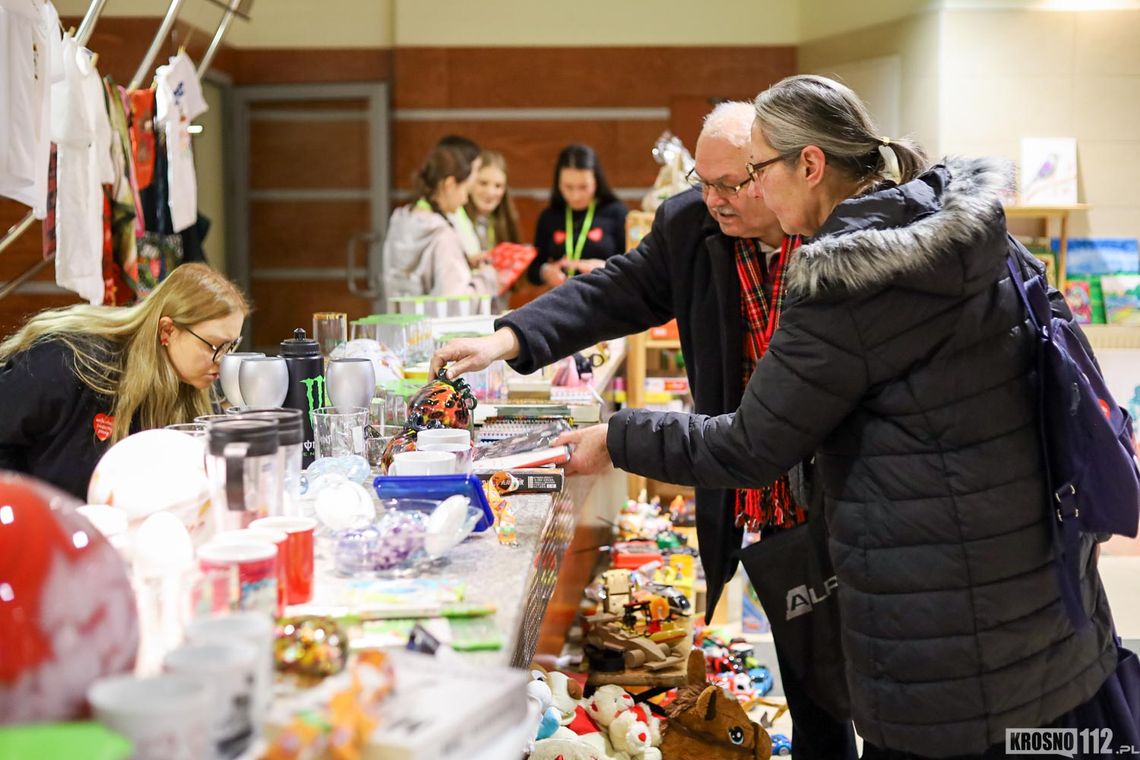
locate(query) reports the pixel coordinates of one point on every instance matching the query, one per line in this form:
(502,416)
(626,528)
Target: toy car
(761,679)
(781,745)
(678,602)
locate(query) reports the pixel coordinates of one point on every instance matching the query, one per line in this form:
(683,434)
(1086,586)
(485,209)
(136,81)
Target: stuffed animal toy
(564,749)
(708,723)
(628,731)
(539,698)
(566,696)
(632,737)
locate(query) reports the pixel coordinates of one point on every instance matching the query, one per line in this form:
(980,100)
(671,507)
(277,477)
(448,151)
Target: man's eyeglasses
(219,351)
(755,169)
(722,189)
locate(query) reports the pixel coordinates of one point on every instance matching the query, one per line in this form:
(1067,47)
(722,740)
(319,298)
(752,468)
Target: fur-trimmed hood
(934,233)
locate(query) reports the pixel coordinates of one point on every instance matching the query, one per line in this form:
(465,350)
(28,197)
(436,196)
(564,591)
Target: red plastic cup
(298,554)
(238,576)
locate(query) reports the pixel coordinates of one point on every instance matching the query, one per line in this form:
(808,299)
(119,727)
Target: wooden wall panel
(309,66)
(562,77)
(531,147)
(304,233)
(280,306)
(16,308)
(286,155)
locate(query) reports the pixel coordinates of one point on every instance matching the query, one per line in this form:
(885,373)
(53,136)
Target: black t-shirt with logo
(605,238)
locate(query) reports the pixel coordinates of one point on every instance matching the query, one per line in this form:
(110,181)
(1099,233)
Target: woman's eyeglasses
(754,170)
(722,189)
(219,351)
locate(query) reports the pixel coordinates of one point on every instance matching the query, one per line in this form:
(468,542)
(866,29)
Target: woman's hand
(585,266)
(591,455)
(473,354)
(552,273)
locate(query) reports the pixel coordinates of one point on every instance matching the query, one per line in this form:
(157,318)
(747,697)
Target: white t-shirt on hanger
(178,99)
(82,133)
(29,37)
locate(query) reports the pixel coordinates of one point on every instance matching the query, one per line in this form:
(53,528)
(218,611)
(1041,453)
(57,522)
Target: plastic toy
(781,745)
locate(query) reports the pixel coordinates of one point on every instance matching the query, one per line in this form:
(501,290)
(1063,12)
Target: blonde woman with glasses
(77,379)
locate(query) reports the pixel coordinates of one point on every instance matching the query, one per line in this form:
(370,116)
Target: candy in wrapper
(310,646)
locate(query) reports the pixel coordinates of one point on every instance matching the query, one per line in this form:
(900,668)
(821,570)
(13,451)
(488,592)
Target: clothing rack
(86,28)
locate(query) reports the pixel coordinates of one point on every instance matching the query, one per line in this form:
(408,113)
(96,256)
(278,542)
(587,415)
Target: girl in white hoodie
(423,254)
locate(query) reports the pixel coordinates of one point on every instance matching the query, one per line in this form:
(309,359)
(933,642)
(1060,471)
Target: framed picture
(1048,171)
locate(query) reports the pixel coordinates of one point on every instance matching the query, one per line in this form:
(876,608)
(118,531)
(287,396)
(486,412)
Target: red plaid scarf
(761,300)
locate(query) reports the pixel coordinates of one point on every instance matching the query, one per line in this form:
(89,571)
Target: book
(523,459)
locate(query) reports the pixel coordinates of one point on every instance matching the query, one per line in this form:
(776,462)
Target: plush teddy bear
(627,731)
(636,733)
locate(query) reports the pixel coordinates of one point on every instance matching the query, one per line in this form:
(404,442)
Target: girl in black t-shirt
(584,223)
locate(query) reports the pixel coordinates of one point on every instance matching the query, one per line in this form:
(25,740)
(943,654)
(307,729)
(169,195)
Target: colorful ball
(67,610)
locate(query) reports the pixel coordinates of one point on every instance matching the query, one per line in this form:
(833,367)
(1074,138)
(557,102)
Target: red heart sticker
(104,425)
(559,237)
(595,234)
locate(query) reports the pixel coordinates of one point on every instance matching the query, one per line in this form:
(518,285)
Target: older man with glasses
(713,260)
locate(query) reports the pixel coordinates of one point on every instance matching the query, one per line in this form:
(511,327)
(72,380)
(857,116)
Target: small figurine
(504,516)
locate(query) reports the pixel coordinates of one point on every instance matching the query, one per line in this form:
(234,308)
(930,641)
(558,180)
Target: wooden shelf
(662,345)
(1047,214)
(1112,336)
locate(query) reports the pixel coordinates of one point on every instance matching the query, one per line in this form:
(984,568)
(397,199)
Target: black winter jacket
(684,268)
(903,359)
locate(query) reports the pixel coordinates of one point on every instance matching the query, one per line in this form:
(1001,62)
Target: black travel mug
(306,384)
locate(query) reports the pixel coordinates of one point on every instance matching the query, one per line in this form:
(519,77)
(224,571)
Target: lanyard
(574,249)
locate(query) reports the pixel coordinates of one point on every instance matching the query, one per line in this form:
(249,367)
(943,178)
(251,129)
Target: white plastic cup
(165,717)
(422,463)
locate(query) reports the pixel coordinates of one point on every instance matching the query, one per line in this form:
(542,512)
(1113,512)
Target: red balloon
(67,610)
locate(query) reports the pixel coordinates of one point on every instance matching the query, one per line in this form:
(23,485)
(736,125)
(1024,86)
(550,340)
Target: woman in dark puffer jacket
(903,360)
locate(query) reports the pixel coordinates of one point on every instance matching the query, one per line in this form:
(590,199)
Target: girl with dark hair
(423,253)
(583,225)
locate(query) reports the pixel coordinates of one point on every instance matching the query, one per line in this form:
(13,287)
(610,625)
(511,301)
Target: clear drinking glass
(196,429)
(339,434)
(330,329)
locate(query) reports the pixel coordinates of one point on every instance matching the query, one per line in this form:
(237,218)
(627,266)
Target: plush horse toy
(708,723)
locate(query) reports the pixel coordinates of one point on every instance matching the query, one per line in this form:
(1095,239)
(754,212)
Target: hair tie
(891,170)
(885,140)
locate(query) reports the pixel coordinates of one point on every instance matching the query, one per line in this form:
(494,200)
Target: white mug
(422,463)
(253,628)
(166,717)
(229,673)
(442,435)
(460,455)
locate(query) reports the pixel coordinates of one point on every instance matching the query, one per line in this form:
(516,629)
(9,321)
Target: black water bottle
(306,384)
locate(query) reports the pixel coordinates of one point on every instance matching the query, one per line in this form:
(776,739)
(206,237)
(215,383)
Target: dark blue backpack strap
(1063,510)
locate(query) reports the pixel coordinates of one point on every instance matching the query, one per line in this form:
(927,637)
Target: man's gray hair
(730,121)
